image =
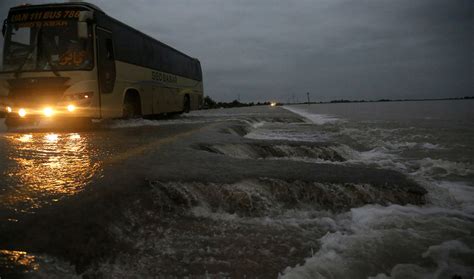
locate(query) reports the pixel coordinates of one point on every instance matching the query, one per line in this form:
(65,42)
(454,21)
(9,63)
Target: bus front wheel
(132,106)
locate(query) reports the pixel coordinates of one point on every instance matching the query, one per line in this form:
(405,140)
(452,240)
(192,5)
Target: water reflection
(25,138)
(51,137)
(45,167)
(75,136)
(17,261)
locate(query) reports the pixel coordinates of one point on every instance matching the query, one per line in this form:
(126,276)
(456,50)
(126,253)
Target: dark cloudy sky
(351,49)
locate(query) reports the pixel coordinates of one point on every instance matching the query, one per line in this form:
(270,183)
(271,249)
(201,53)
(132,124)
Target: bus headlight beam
(48,112)
(71,108)
(22,112)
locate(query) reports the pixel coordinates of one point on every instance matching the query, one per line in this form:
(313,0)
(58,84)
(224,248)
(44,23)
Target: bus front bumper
(47,112)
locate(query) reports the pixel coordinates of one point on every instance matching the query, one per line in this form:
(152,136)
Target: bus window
(110,49)
(105,62)
(21,36)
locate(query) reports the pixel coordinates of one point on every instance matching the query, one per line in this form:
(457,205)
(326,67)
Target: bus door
(105,66)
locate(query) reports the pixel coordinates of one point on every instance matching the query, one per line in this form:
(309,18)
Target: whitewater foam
(318,119)
(447,260)
(374,240)
(280,133)
(431,146)
(260,150)
(258,124)
(440,168)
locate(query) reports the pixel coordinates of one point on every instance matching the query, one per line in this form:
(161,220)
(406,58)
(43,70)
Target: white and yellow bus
(73,60)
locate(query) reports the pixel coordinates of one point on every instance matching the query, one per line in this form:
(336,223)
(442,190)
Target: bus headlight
(22,112)
(9,109)
(71,108)
(48,112)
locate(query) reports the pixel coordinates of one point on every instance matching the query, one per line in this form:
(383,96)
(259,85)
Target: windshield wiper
(28,55)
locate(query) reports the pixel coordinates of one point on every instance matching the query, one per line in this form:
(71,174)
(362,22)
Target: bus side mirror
(4,27)
(82,30)
(85,16)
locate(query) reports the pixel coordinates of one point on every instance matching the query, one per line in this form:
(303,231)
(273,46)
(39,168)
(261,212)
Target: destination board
(44,15)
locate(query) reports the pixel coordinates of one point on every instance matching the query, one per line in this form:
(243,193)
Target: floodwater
(379,190)
(44,167)
(430,142)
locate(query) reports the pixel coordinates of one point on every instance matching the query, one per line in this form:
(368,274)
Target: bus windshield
(51,46)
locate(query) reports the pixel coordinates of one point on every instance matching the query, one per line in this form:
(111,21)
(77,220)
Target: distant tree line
(398,100)
(209,103)
(381,100)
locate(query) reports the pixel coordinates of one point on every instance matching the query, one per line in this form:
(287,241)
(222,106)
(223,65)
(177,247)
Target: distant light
(48,112)
(86,96)
(273,104)
(9,109)
(22,112)
(71,108)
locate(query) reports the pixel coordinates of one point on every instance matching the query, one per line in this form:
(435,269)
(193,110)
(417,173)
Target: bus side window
(110,49)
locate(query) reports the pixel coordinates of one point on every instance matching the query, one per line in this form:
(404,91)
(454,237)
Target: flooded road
(41,168)
(253,192)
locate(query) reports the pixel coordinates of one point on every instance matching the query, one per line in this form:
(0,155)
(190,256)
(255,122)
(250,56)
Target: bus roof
(95,8)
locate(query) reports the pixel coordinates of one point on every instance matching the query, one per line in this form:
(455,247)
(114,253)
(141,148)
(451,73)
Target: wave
(447,265)
(376,240)
(318,119)
(265,150)
(252,122)
(449,194)
(383,157)
(429,167)
(379,157)
(267,196)
(288,132)
(396,146)
(257,125)
(430,146)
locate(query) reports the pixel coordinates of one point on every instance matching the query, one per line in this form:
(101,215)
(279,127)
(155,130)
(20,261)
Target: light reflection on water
(46,167)
(14,260)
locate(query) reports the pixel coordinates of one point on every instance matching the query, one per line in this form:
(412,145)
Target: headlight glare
(48,112)
(22,112)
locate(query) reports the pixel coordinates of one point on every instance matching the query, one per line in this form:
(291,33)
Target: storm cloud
(274,49)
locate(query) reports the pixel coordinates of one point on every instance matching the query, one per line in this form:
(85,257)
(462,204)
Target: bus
(72,60)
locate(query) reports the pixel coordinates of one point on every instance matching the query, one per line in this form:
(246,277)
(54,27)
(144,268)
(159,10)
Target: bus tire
(186,104)
(132,105)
